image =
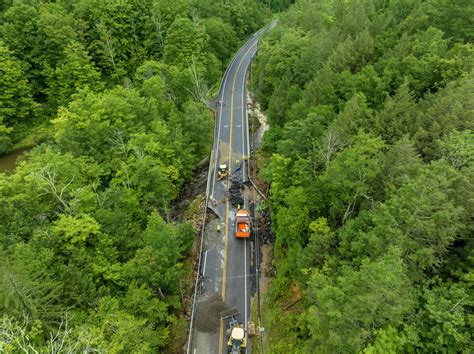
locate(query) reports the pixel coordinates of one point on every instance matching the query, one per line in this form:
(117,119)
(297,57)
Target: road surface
(227,267)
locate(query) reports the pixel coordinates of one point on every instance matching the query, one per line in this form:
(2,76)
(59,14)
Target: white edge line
(245,279)
(191,321)
(247,122)
(204,264)
(218,137)
(222,89)
(243,109)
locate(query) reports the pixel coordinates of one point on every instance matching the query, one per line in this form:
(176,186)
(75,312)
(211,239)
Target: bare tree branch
(331,143)
(50,186)
(199,90)
(107,42)
(157,20)
(118,140)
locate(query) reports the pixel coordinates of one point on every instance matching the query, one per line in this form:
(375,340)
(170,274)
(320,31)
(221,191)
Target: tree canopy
(91,259)
(369,161)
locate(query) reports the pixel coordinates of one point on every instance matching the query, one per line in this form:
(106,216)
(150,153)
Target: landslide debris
(209,315)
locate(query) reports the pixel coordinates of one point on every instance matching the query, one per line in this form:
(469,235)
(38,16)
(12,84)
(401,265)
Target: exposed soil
(189,207)
(208,319)
(258,129)
(296,295)
(258,120)
(267,268)
(264,228)
(194,189)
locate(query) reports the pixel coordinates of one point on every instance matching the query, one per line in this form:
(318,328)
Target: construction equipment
(251,329)
(222,172)
(237,342)
(242,224)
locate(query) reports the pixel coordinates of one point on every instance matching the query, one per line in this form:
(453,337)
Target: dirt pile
(209,314)
(191,203)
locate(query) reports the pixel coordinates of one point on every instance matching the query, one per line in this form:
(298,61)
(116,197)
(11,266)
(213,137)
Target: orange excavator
(242,224)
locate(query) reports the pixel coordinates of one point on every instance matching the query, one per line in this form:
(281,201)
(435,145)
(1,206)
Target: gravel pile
(209,315)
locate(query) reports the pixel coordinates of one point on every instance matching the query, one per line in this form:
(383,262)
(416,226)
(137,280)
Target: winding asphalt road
(227,264)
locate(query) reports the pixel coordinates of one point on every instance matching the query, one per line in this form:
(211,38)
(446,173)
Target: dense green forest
(89,259)
(370,159)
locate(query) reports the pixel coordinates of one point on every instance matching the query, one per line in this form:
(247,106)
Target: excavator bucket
(237,341)
(229,313)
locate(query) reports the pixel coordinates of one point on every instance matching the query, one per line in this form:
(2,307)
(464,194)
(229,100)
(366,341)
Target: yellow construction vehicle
(236,332)
(222,172)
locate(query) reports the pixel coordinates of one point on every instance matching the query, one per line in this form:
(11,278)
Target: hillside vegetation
(370,157)
(89,258)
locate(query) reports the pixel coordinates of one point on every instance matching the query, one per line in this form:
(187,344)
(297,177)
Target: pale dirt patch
(265,277)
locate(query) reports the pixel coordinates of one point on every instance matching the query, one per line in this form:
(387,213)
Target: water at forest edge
(8,161)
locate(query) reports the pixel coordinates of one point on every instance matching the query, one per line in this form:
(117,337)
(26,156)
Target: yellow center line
(226,234)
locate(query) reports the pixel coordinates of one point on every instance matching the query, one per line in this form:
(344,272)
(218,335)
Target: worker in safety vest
(218,227)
